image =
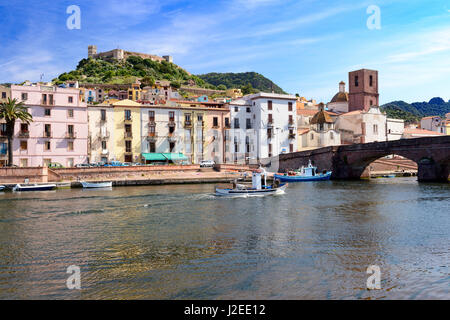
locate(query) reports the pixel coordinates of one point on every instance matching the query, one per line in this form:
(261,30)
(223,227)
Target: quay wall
(18,175)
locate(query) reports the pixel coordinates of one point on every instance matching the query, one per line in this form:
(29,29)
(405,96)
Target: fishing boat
(96,185)
(256,189)
(308,173)
(34,187)
(389,176)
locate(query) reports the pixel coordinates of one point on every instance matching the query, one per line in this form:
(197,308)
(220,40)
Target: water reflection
(179,242)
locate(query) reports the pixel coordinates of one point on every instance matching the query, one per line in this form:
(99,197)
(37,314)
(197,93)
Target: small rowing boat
(308,173)
(258,188)
(34,187)
(96,185)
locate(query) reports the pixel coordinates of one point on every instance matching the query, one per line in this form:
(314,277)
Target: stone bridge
(432,155)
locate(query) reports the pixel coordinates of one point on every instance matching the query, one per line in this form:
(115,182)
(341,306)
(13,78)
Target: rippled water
(181,242)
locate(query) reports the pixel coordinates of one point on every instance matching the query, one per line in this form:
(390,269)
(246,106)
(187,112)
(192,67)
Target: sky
(305,47)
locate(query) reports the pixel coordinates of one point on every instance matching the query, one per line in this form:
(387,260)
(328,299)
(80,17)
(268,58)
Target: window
(289,106)
(70,99)
(128,131)
(70,162)
(24,127)
(356,81)
(248,110)
(371,80)
(269,105)
(172,147)
(270,149)
(151,130)
(291,119)
(151,116)
(249,124)
(24,96)
(103,115)
(3,95)
(47,145)
(70,130)
(371,103)
(215,122)
(23,145)
(70,113)
(128,146)
(331,136)
(375,129)
(270,120)
(236,123)
(187,117)
(171,130)
(47,113)
(291,148)
(70,146)
(47,131)
(199,118)
(128,115)
(236,109)
(104,145)
(171,116)
(227,122)
(312,136)
(24,163)
(152,147)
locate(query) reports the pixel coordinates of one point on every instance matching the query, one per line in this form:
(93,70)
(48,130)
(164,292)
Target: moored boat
(256,189)
(2,188)
(308,173)
(34,187)
(96,185)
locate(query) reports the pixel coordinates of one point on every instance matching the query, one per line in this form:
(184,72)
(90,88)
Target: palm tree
(10,111)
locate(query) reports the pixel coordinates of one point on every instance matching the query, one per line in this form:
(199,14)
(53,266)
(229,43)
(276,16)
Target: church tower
(363,92)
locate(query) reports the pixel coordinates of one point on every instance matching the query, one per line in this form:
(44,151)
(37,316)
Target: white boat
(2,188)
(96,185)
(309,173)
(256,189)
(34,187)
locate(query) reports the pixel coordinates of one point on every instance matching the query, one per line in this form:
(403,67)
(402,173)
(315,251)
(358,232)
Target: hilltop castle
(120,54)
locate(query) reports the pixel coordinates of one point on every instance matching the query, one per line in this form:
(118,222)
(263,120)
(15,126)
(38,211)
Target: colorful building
(101,133)
(59,131)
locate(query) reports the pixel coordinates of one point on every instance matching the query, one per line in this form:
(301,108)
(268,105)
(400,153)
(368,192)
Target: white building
(395,128)
(264,125)
(362,126)
(339,103)
(433,123)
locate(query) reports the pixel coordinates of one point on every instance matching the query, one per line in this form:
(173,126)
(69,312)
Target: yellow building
(134,93)
(127,131)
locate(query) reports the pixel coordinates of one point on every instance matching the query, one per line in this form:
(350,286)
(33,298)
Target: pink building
(59,131)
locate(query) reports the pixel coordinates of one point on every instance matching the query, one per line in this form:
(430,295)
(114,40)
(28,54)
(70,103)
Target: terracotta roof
(306,112)
(422,131)
(430,117)
(352,113)
(321,117)
(340,97)
(302,131)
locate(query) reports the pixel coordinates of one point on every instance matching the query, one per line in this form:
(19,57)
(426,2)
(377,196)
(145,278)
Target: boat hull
(88,185)
(251,192)
(20,188)
(319,177)
(2,188)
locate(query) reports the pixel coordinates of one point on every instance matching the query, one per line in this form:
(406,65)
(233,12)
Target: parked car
(207,164)
(82,165)
(55,165)
(114,164)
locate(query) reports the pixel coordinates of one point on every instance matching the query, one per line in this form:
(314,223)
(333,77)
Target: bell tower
(363,92)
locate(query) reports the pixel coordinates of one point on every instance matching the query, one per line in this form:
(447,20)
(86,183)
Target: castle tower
(363,92)
(92,51)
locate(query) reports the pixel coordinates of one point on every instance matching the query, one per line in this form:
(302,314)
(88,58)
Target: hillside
(241,80)
(416,110)
(125,72)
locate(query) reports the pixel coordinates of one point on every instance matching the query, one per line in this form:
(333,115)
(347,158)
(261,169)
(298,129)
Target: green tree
(248,89)
(11,111)
(222,87)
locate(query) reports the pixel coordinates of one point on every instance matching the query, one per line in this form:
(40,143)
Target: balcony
(151,122)
(270,123)
(70,135)
(291,124)
(172,138)
(227,126)
(24,134)
(187,124)
(128,135)
(104,135)
(128,120)
(172,122)
(47,103)
(105,152)
(292,135)
(47,134)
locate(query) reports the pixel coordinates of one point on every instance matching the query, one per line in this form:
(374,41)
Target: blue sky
(304,46)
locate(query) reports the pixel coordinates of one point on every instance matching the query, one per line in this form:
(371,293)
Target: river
(316,241)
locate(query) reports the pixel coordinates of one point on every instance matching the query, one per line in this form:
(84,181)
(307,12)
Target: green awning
(175,156)
(154,157)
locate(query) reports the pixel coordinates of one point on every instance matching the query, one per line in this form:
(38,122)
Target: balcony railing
(24,134)
(128,119)
(47,134)
(188,123)
(71,135)
(104,135)
(270,122)
(47,102)
(128,135)
(227,126)
(292,135)
(151,122)
(172,123)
